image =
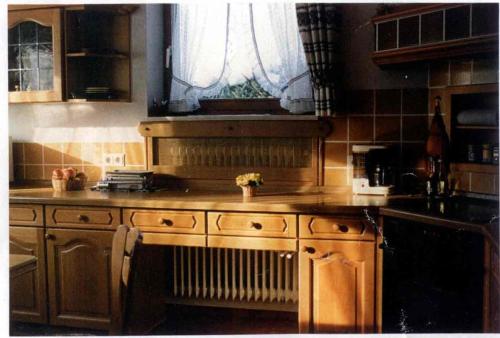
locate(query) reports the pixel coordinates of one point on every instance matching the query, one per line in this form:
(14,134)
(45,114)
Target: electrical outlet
(114,159)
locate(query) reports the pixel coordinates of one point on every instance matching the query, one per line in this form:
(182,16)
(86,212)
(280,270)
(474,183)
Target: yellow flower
(252,179)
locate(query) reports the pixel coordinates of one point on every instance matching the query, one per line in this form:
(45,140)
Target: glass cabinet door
(34,56)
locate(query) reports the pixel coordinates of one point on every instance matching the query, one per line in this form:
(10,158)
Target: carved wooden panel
(233,152)
(336,286)
(79,272)
(28,295)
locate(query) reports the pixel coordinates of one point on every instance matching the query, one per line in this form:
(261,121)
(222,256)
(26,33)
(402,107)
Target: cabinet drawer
(83,217)
(245,224)
(336,227)
(26,214)
(170,221)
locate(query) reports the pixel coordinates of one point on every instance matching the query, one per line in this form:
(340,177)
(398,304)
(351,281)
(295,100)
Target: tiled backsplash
(394,117)
(35,161)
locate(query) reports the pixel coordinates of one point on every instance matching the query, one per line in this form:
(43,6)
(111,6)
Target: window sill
(230,117)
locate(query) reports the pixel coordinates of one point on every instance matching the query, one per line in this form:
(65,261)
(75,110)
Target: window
(238,51)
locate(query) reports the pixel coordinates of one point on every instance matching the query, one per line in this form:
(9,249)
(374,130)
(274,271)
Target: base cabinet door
(336,286)
(79,277)
(28,294)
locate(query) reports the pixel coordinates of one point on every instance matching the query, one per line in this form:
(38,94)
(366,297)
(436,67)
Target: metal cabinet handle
(308,249)
(166,221)
(49,237)
(83,218)
(255,225)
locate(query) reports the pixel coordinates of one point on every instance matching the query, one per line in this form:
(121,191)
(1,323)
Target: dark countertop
(461,213)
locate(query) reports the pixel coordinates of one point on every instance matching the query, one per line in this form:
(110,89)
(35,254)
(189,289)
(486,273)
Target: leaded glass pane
(45,59)
(14,84)
(46,79)
(14,57)
(29,80)
(31,54)
(14,35)
(28,32)
(29,57)
(44,34)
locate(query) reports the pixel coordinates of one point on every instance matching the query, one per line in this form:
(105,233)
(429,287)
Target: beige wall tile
(415,101)
(34,172)
(361,128)
(482,183)
(19,172)
(462,181)
(48,169)
(52,153)
(415,128)
(92,153)
(33,153)
(112,147)
(18,153)
(460,72)
(339,129)
(336,177)
(438,74)
(93,173)
(387,101)
(335,154)
(72,153)
(387,128)
(134,154)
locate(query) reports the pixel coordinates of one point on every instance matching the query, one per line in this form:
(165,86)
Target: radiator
(225,276)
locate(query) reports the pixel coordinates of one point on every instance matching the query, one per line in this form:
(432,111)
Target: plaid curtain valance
(319,26)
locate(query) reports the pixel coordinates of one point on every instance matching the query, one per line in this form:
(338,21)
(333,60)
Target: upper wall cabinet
(34,54)
(430,32)
(92,63)
(97,43)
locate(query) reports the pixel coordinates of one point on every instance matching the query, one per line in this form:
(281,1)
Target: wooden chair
(125,241)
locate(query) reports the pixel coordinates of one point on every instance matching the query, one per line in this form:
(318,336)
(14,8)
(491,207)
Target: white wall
(89,122)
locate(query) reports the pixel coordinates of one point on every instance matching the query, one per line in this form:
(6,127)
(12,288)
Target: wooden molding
(261,128)
(449,49)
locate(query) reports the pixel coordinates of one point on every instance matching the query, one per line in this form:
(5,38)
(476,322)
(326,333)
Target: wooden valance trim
(251,128)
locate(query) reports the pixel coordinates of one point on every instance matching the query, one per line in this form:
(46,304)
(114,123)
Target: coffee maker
(371,170)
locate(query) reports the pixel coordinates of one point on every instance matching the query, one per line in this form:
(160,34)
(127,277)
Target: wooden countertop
(307,202)
(413,208)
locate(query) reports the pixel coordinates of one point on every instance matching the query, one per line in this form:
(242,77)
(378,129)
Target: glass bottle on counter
(442,185)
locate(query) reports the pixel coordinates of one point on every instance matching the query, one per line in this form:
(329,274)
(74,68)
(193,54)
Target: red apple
(57,174)
(69,173)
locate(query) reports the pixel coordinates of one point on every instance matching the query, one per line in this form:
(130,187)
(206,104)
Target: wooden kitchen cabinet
(34,55)
(79,277)
(28,293)
(336,286)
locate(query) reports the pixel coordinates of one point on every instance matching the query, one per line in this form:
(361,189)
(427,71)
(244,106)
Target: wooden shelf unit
(97,49)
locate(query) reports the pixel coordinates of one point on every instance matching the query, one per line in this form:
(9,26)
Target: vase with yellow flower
(249,183)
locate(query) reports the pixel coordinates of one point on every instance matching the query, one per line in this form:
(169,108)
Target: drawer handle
(83,218)
(166,221)
(308,249)
(49,237)
(342,227)
(256,225)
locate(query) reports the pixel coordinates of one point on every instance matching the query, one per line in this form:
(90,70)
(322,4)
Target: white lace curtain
(217,44)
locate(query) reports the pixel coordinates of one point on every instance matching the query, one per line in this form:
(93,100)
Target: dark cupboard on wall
(433,31)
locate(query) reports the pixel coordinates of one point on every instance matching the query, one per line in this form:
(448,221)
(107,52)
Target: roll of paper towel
(478,117)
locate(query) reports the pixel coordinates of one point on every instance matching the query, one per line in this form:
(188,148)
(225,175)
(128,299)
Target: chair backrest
(125,241)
